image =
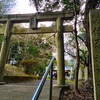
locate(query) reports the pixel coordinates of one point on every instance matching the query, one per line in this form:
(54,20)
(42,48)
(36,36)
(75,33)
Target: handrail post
(50,92)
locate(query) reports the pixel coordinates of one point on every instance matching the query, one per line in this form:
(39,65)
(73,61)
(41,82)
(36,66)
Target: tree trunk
(77,50)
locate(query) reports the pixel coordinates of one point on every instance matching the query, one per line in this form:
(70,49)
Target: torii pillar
(60,53)
(4,48)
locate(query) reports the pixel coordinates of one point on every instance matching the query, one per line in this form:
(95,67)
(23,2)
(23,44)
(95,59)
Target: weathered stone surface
(85,74)
(80,74)
(60,53)
(52,16)
(4,48)
(95,50)
(42,30)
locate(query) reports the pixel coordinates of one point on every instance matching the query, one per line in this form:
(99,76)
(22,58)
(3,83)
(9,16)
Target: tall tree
(77,48)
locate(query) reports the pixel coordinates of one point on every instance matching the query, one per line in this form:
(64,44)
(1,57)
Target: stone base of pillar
(62,86)
(2,83)
(58,89)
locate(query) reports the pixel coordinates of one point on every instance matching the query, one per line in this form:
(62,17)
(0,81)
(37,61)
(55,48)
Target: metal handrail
(41,84)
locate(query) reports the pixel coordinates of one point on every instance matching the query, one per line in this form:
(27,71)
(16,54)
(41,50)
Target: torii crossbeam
(49,16)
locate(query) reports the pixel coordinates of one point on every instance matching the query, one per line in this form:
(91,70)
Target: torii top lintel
(49,16)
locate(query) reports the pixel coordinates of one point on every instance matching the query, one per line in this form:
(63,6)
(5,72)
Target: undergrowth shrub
(30,65)
(15,79)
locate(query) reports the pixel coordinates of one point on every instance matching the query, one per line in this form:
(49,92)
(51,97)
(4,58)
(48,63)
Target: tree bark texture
(77,50)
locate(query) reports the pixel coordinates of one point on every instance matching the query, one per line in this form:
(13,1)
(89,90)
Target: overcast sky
(23,7)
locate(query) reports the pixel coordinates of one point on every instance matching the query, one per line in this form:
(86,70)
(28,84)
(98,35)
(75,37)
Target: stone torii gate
(33,20)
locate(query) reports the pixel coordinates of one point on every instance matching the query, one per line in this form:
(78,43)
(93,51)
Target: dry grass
(14,71)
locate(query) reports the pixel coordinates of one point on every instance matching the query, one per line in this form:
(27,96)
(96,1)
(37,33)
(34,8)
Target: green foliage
(84,56)
(21,50)
(32,49)
(71,82)
(69,4)
(72,63)
(15,52)
(1,39)
(29,65)
(42,65)
(66,63)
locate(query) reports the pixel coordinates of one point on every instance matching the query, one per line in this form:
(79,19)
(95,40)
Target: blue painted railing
(41,84)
